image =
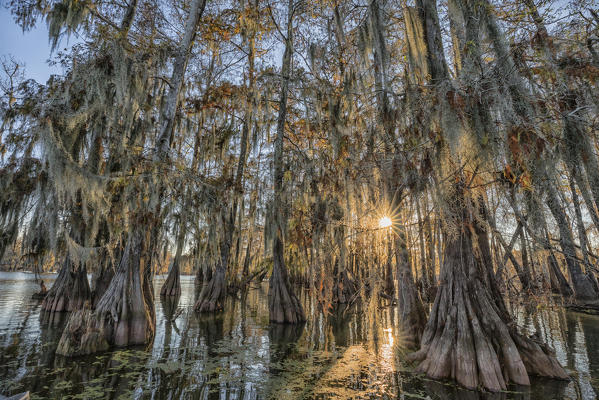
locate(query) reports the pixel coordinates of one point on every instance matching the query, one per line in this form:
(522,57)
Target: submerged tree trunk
(412,316)
(283,304)
(122,316)
(172,285)
(213,292)
(344,287)
(469,336)
(70,290)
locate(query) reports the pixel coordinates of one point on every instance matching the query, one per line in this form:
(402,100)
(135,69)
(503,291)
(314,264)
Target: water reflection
(237,354)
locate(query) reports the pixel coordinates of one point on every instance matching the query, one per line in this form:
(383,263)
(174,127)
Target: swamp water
(238,355)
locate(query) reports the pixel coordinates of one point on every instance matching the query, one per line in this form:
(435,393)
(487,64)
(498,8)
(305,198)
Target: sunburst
(385,222)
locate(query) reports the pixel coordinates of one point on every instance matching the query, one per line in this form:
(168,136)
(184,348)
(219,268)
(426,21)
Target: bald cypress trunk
(586,196)
(212,295)
(101,280)
(283,304)
(172,285)
(522,270)
(213,292)
(430,236)
(70,290)
(507,249)
(582,237)
(584,289)
(469,336)
(122,316)
(344,287)
(412,316)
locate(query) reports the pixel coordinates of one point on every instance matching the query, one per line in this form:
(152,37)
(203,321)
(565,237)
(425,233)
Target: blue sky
(31,48)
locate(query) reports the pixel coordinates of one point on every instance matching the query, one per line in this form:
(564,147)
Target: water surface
(237,354)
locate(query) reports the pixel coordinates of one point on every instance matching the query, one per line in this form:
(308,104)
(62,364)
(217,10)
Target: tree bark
(213,292)
(521,270)
(101,281)
(583,287)
(122,317)
(469,336)
(412,316)
(283,304)
(70,290)
(507,249)
(344,287)
(559,284)
(582,237)
(172,285)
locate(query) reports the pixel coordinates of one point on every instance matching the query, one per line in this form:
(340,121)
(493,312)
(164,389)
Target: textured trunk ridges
(100,282)
(283,305)
(412,316)
(212,296)
(469,336)
(172,284)
(70,290)
(123,315)
(203,274)
(199,278)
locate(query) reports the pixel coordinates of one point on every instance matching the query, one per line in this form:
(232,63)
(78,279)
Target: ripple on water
(238,355)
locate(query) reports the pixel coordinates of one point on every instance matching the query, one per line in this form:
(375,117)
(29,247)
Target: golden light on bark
(385,222)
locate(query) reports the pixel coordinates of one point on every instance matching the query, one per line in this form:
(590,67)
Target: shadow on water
(348,352)
(283,340)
